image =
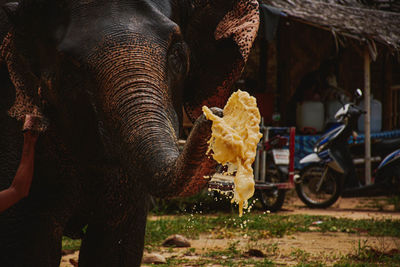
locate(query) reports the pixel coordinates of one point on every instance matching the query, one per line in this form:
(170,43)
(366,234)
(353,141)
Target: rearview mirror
(359,93)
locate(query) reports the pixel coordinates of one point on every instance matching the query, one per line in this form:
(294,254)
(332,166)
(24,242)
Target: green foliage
(372,227)
(70,244)
(395,201)
(300,254)
(258,226)
(367,254)
(233,248)
(217,261)
(203,202)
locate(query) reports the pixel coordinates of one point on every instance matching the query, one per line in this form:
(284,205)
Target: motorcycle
(274,166)
(335,168)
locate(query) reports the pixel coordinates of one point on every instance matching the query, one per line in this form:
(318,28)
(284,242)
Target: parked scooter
(331,169)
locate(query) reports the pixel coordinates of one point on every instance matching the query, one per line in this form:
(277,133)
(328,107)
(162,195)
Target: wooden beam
(367,122)
(328,28)
(387,103)
(395,87)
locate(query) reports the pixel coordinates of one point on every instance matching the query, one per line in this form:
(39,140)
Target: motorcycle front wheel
(272,199)
(314,192)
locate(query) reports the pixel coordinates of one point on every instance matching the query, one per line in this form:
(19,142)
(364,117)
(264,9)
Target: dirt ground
(312,244)
(352,208)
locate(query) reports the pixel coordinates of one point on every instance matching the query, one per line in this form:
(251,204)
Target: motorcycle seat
(385,146)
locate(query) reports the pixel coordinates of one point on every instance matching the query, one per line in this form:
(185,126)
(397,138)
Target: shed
(353,33)
(310,31)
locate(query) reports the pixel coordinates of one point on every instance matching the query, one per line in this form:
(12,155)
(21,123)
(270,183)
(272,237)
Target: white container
(331,108)
(310,114)
(376,116)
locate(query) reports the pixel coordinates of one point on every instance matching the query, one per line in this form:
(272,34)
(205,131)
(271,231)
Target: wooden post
(367,122)
(389,96)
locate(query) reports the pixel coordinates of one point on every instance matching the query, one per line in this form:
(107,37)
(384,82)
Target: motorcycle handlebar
(362,111)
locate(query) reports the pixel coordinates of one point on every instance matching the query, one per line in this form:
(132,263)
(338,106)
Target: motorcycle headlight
(321,147)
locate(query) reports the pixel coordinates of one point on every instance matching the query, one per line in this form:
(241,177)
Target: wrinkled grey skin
(110,77)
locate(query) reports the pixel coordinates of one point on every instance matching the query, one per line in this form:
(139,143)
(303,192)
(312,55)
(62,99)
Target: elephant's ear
(27,90)
(29,52)
(220,35)
(31,25)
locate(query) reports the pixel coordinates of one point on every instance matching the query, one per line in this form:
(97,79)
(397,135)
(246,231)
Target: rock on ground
(176,241)
(153,258)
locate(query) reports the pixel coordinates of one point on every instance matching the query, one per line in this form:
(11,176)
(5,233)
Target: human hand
(31,128)
(33,123)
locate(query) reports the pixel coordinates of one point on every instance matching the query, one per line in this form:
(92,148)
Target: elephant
(110,78)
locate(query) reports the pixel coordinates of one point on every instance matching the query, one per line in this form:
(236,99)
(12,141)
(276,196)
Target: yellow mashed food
(234,142)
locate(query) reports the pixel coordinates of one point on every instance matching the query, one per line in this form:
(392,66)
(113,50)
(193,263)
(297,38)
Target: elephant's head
(121,71)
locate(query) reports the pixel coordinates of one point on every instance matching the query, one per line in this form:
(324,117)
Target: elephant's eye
(178,59)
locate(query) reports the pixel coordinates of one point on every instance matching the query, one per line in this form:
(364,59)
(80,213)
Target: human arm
(23,177)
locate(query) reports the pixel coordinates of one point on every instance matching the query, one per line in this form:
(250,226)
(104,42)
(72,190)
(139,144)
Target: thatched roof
(388,5)
(348,17)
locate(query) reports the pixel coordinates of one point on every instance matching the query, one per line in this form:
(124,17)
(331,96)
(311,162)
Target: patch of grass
(376,203)
(266,246)
(70,244)
(259,226)
(300,254)
(203,202)
(220,254)
(229,253)
(265,226)
(219,262)
(233,248)
(369,257)
(312,264)
(272,248)
(373,227)
(367,254)
(190,226)
(395,201)
(381,203)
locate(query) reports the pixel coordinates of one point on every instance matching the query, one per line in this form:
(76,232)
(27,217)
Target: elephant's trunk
(141,118)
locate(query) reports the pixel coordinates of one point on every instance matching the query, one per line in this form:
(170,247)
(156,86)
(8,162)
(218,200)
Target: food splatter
(234,142)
